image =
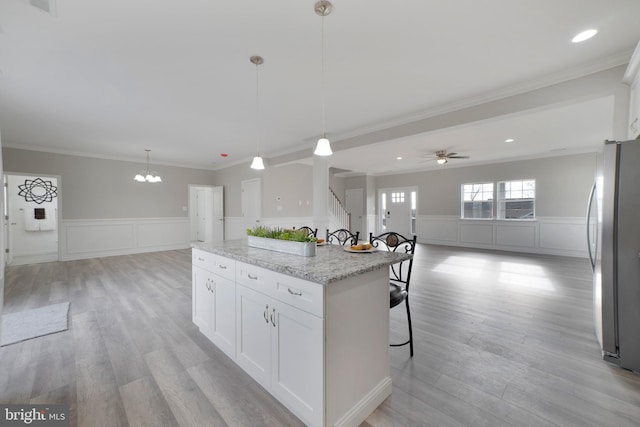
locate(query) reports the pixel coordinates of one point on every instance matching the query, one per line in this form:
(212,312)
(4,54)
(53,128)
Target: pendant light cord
(257,113)
(322,76)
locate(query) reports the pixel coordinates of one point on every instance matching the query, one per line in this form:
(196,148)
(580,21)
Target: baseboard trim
(361,410)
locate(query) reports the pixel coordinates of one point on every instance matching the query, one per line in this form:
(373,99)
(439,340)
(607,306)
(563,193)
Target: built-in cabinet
(214,299)
(320,349)
(279,341)
(262,320)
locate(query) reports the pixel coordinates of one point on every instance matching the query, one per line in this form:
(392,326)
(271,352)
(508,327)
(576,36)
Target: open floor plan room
(501,339)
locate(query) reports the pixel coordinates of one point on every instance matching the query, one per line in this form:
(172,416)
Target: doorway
(354,204)
(251,202)
(32,218)
(398,210)
(206,213)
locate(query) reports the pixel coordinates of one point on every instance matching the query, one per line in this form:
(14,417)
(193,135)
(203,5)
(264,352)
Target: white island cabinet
(313,331)
(214,298)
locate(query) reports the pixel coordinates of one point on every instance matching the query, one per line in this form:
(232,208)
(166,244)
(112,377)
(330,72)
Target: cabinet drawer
(307,296)
(256,278)
(223,267)
(202,259)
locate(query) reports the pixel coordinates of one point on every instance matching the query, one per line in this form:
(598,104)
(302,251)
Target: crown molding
(42,149)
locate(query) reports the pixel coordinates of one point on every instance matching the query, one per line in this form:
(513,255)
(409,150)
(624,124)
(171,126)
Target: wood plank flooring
(500,340)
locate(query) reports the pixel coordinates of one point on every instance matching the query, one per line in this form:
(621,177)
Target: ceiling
(111,78)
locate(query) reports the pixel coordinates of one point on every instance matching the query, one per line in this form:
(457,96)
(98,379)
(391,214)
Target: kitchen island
(313,331)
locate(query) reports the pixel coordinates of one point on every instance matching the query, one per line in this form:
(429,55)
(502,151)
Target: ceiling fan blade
(457,157)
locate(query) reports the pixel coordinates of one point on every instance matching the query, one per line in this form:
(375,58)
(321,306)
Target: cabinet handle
(273,317)
(266,313)
(252,277)
(208,285)
(224,267)
(212,287)
(296,293)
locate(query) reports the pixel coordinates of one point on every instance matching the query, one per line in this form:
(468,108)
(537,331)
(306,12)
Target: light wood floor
(501,340)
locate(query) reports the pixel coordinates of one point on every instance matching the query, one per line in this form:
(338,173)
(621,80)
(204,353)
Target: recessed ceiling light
(585,35)
(509,140)
(398,158)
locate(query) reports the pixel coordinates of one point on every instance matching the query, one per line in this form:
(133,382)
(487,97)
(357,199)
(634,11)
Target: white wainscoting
(550,236)
(80,239)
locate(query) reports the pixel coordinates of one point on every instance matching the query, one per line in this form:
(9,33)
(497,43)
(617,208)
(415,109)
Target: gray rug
(37,322)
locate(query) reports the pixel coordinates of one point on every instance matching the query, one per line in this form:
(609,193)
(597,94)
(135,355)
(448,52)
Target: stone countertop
(331,263)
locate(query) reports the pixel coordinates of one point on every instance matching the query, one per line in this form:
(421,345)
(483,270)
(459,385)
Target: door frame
(388,191)
(7,206)
(362,226)
(193,221)
(250,223)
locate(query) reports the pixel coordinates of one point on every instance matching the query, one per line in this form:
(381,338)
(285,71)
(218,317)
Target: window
(477,200)
(397,197)
(516,199)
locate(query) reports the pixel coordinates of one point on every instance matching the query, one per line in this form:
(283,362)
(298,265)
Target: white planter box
(294,248)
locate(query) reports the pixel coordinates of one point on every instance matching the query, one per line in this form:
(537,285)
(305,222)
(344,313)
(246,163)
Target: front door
(398,210)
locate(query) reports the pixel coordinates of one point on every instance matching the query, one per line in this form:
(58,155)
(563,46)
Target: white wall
(104,212)
(562,187)
(634,105)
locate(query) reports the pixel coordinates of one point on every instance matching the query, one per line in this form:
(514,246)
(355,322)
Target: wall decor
(38,190)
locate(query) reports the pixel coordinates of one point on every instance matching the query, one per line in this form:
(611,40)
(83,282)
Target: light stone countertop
(331,263)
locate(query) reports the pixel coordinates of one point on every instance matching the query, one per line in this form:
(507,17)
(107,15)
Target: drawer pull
(200,259)
(224,267)
(296,293)
(252,277)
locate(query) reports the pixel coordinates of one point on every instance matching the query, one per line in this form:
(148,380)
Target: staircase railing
(338,211)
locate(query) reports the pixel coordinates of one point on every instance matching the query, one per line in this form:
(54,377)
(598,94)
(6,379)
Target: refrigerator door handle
(591,257)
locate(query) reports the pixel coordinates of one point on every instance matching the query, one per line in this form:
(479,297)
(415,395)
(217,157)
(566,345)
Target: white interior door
(218,214)
(201,215)
(251,202)
(355,206)
(206,213)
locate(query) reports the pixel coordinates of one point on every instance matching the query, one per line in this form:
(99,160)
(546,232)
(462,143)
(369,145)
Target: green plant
(280,234)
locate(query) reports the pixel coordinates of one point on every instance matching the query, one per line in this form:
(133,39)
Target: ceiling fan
(441,156)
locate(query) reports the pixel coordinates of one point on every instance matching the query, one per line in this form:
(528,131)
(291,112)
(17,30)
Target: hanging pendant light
(257,162)
(323,147)
(146,175)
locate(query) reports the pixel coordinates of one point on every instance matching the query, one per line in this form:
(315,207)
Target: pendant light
(323,147)
(257,163)
(146,176)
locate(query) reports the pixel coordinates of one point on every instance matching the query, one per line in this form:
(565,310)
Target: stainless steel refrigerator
(613,238)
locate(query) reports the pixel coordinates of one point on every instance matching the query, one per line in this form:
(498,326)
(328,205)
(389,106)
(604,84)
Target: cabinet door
(202,300)
(297,362)
(253,334)
(223,322)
